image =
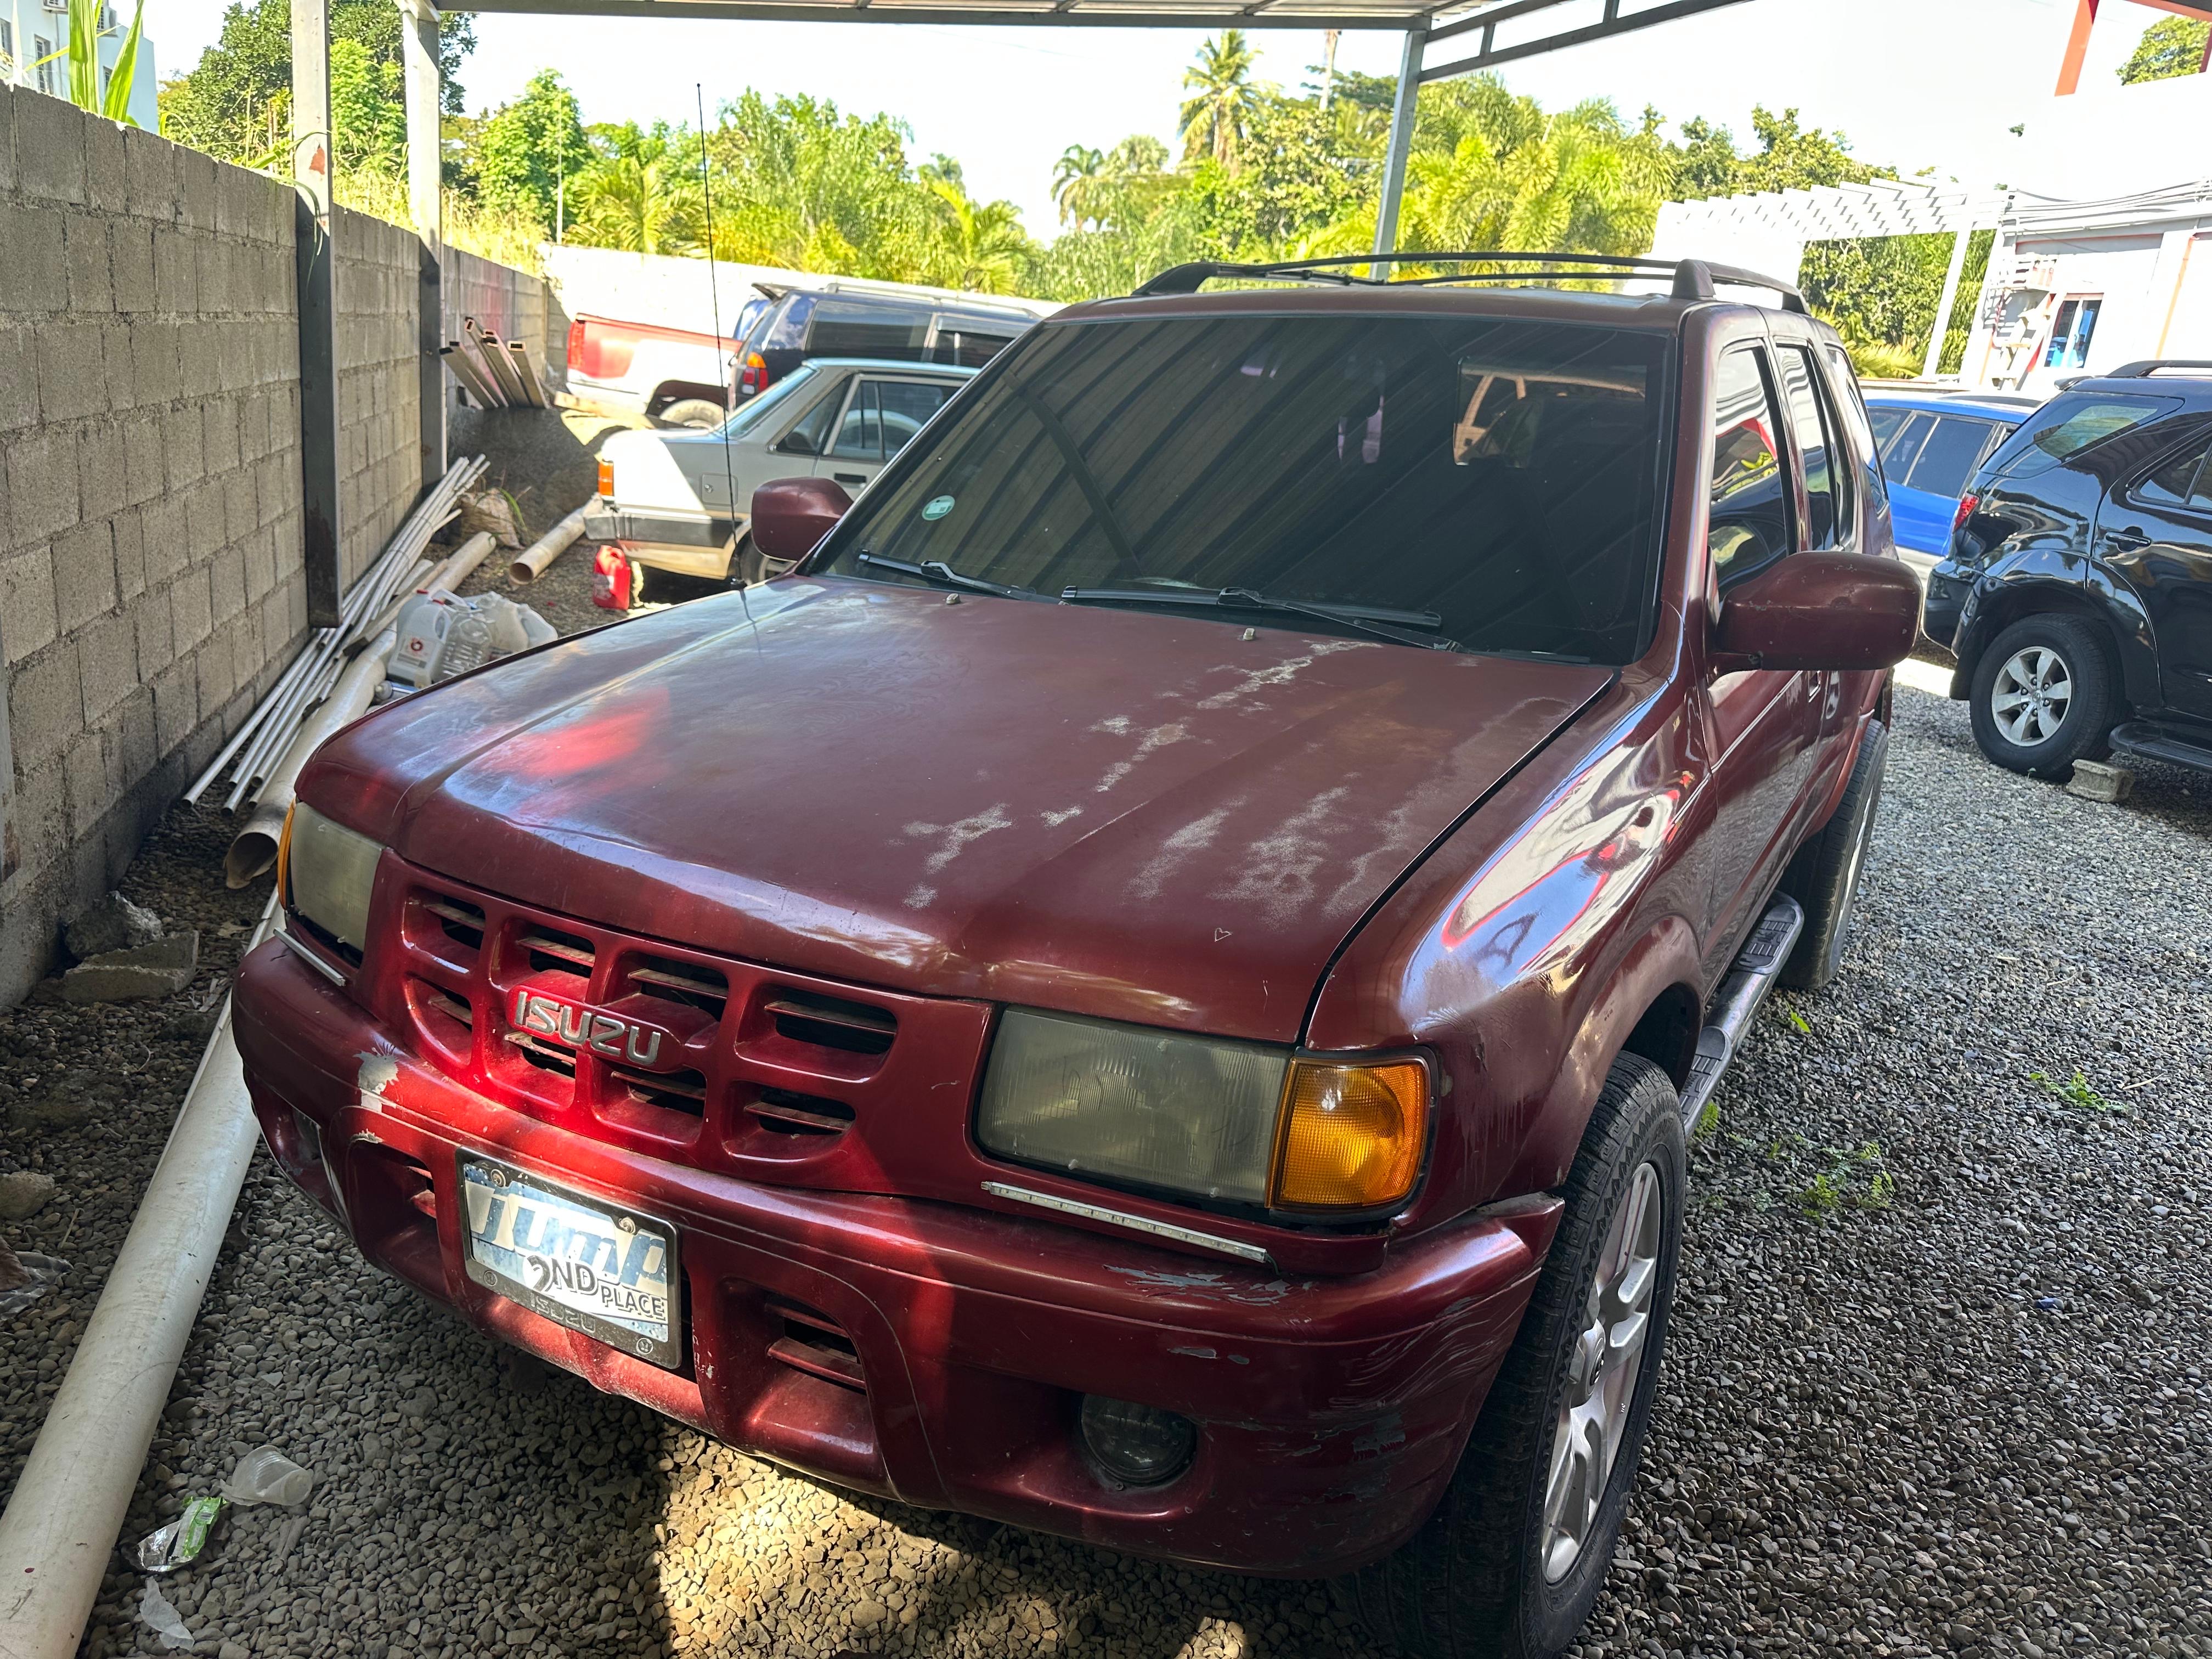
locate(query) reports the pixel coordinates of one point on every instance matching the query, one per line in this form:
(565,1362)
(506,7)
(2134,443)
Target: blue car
(1931,441)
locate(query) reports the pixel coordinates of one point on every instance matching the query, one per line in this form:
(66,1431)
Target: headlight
(1244,1122)
(326,872)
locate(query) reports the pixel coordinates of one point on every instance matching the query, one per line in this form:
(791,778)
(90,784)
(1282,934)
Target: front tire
(2044,698)
(1518,1549)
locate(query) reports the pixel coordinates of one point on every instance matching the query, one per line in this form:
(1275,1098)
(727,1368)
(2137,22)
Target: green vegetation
(1260,174)
(2170,47)
(1855,1179)
(2077,1092)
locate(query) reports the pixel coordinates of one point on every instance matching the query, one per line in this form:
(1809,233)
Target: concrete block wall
(380,463)
(150,572)
(152,578)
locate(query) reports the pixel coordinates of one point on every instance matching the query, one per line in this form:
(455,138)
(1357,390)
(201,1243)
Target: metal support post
(318,381)
(1402,115)
(1933,365)
(2077,47)
(418,51)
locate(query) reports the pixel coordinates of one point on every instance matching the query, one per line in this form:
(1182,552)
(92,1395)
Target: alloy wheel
(2030,695)
(1602,1368)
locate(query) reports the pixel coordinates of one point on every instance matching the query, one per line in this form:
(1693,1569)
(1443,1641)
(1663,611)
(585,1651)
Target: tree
(980,246)
(235,102)
(2169,47)
(1215,119)
(638,195)
(526,152)
(1076,179)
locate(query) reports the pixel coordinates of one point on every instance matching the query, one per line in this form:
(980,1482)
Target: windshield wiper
(936,570)
(1368,618)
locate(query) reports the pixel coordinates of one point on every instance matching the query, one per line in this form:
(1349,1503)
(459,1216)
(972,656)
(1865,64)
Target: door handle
(850,478)
(2127,540)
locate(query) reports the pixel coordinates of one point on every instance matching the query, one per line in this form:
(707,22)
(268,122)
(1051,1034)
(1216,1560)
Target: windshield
(1500,474)
(751,413)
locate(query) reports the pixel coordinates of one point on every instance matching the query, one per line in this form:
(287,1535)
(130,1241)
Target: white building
(2104,245)
(34,43)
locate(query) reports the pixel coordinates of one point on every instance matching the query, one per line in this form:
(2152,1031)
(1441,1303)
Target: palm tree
(1076,177)
(1215,120)
(981,244)
(640,198)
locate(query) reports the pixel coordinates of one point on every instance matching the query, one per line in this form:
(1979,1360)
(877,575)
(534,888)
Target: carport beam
(1402,114)
(313,269)
(418,50)
(1933,365)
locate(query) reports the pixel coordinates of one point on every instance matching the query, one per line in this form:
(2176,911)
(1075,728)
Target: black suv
(2077,592)
(845,318)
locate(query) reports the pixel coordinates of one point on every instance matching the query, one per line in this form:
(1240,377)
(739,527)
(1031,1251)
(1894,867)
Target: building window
(2070,334)
(7,50)
(43,50)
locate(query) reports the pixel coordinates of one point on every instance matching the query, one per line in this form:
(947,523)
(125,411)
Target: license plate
(601,1269)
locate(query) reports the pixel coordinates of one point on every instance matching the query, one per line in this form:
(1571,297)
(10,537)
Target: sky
(1913,83)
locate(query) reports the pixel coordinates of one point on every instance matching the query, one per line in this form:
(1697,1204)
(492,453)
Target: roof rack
(2148,367)
(1693,279)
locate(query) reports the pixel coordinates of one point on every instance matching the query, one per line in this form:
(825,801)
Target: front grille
(710,1061)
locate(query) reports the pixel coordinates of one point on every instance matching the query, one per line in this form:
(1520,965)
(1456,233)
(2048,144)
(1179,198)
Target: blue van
(1931,442)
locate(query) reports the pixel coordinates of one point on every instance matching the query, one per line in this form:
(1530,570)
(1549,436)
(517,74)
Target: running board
(2162,743)
(1750,977)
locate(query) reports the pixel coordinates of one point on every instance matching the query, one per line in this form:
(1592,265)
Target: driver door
(1765,723)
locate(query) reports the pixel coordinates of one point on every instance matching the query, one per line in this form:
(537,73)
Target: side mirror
(790,515)
(1820,611)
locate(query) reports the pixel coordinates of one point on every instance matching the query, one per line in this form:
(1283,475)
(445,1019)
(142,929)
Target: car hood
(1130,815)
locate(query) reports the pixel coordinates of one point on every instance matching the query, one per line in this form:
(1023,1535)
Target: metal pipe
(526,372)
(57,1535)
(530,564)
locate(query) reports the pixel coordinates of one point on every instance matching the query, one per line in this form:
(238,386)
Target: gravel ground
(1937,1381)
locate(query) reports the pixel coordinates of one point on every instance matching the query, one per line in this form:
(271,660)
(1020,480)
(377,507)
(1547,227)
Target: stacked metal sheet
(497,374)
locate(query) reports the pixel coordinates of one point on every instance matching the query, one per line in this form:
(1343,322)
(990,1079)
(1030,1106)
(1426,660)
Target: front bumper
(1332,1411)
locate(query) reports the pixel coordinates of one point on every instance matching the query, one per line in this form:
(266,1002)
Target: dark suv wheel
(1514,1556)
(2043,696)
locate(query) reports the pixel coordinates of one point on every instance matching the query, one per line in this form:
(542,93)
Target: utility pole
(318,308)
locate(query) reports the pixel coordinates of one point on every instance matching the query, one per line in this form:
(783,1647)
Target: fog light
(1137,1445)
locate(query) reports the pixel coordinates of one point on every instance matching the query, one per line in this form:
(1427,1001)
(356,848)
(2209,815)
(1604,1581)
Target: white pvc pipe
(254,849)
(458,569)
(530,564)
(58,1536)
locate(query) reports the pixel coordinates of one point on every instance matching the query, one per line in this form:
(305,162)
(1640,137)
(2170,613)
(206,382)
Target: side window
(1855,421)
(845,329)
(960,342)
(1887,423)
(1827,473)
(884,415)
(784,328)
(1750,506)
(1947,462)
(2185,481)
(811,432)
(1902,450)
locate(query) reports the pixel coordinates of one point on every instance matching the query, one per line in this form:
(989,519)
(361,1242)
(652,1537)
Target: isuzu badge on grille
(586,1028)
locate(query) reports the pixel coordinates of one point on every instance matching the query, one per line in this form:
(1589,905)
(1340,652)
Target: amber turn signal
(607,479)
(284,853)
(1352,1135)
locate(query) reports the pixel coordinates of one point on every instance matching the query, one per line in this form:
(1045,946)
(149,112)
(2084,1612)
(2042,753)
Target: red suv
(1152,988)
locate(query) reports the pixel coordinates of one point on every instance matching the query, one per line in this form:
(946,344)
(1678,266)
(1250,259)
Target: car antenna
(714,300)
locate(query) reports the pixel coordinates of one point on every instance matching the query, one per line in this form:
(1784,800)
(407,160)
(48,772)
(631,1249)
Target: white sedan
(678,502)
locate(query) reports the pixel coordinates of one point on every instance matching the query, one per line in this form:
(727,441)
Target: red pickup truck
(673,375)
(1163,1003)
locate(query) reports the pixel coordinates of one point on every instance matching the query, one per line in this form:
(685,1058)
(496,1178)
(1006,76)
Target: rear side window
(2185,481)
(843,329)
(1887,423)
(2066,426)
(1751,510)
(1948,460)
(1828,476)
(961,342)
